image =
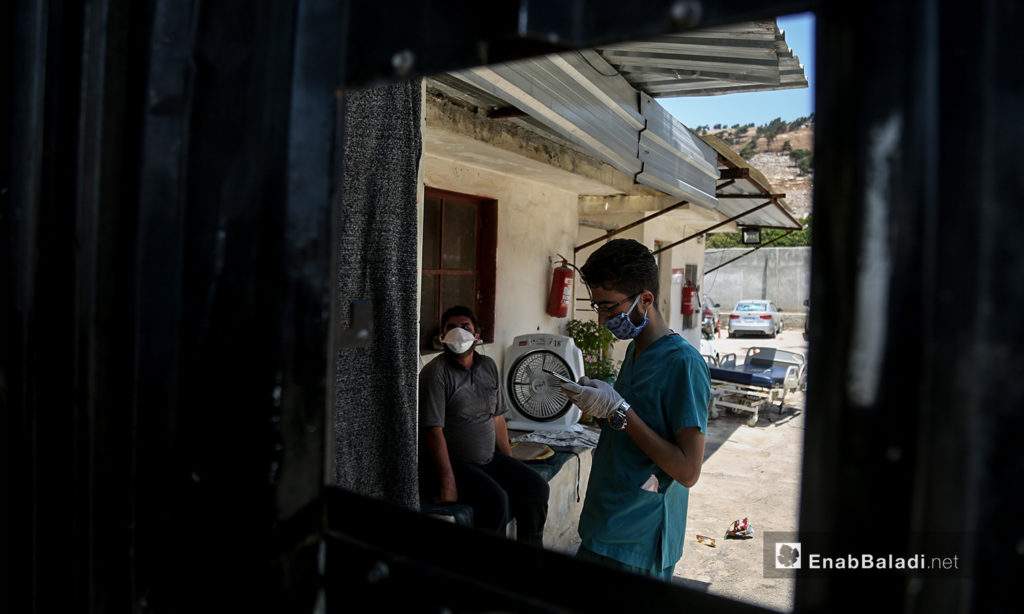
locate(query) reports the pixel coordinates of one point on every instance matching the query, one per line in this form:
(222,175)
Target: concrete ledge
(567,474)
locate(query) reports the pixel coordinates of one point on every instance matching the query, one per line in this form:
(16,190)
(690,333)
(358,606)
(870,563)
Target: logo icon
(787,555)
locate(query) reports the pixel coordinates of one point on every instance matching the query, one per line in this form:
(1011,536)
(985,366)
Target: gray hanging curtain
(376,385)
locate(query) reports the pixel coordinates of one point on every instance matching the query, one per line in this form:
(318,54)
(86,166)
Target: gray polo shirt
(464,402)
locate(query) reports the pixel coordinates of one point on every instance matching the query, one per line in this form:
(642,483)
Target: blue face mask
(622,327)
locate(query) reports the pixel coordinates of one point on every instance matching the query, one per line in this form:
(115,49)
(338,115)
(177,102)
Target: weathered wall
(670,301)
(568,494)
(544,188)
(536,221)
(781,274)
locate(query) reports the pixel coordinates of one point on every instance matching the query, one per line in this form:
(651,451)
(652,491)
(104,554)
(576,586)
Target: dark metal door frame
(167,257)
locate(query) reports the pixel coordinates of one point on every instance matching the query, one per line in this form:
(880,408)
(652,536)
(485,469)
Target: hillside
(770,149)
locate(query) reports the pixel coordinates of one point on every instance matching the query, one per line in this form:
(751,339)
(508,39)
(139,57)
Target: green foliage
(800,122)
(749,149)
(595,341)
(722,240)
(800,238)
(804,160)
(787,146)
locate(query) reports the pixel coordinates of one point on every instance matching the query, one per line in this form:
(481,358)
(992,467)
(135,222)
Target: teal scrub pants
(661,574)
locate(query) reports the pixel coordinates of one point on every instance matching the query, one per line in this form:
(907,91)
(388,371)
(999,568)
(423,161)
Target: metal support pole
(766,244)
(612,233)
(710,228)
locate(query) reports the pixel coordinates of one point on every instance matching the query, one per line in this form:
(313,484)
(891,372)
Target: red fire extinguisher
(689,297)
(561,291)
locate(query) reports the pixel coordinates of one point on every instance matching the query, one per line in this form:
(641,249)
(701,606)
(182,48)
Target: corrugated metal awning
(603,102)
(580,97)
(745,57)
(743,188)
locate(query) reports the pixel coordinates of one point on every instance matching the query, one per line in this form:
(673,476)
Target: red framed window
(459,240)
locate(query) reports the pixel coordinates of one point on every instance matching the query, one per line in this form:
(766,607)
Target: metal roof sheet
(580,97)
(755,186)
(745,57)
(603,101)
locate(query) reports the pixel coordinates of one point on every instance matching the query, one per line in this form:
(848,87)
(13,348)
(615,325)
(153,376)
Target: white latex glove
(595,397)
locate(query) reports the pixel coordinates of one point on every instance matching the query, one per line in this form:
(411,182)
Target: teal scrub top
(669,388)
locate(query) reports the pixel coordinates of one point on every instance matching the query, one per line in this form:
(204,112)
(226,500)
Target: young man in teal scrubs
(654,421)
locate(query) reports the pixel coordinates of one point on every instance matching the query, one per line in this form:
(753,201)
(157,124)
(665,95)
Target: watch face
(617,420)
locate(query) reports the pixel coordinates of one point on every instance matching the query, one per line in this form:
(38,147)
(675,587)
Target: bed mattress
(751,375)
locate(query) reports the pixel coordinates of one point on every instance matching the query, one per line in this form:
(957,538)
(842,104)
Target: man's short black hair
(622,265)
(459,310)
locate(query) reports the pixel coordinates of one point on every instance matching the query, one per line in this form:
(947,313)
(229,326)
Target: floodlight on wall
(751,236)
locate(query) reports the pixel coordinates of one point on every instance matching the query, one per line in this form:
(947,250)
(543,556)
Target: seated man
(465,452)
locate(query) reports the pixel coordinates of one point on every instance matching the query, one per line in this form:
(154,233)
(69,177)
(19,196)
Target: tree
(749,149)
(804,160)
(776,125)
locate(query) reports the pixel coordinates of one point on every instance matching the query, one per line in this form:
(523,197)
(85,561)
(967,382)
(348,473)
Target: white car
(755,317)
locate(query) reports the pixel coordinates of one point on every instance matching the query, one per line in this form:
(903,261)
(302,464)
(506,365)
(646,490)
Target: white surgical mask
(459,340)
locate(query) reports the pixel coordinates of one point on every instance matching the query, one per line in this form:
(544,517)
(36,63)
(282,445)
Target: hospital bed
(763,380)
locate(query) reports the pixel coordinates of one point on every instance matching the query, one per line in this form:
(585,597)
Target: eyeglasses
(608,310)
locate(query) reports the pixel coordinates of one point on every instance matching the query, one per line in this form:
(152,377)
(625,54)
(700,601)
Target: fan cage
(535,394)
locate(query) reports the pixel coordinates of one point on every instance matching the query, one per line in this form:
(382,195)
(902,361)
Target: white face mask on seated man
(459,340)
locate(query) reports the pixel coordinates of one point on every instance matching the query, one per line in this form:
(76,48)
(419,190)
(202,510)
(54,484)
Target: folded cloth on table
(530,451)
(575,436)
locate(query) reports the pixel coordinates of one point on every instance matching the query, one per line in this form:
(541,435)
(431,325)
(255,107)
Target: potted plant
(595,342)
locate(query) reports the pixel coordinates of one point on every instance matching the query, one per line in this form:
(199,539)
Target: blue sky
(759,107)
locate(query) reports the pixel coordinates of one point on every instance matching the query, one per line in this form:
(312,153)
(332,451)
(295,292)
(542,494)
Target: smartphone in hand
(558,375)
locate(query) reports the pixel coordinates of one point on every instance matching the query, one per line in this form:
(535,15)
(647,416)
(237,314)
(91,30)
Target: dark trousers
(504,483)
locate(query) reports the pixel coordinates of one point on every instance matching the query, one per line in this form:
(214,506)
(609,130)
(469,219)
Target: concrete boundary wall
(780,274)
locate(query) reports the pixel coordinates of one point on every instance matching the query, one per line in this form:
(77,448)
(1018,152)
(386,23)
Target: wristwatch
(617,419)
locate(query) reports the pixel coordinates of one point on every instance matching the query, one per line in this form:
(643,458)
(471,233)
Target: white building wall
(536,221)
(670,301)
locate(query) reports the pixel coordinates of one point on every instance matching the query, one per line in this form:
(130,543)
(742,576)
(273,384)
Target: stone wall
(780,274)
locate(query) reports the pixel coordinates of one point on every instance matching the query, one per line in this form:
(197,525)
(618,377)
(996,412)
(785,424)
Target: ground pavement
(749,472)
